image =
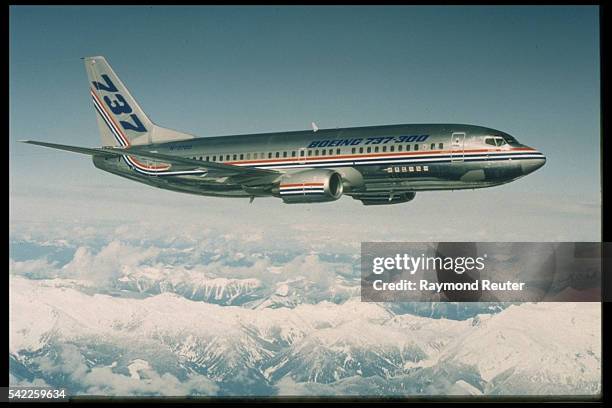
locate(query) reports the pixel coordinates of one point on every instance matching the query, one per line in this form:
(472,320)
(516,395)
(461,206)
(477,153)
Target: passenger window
(207,157)
(241,156)
(310,152)
(302,153)
(416,147)
(376,149)
(433,146)
(441,146)
(361,150)
(337,151)
(407,148)
(284,154)
(277,154)
(399,148)
(392,148)
(353,150)
(214,158)
(269,155)
(323,152)
(293,153)
(235,157)
(316,152)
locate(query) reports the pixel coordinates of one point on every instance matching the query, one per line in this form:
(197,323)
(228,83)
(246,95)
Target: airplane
(376,165)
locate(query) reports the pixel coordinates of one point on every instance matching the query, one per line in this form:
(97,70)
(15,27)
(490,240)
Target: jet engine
(310,186)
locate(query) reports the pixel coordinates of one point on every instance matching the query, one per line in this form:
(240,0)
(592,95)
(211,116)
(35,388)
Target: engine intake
(310,186)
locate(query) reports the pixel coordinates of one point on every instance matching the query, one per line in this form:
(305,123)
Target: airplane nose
(531,165)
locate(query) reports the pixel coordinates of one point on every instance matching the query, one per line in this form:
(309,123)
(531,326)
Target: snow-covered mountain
(166,343)
(191,285)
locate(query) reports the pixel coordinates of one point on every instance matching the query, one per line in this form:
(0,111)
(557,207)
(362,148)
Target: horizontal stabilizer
(74,149)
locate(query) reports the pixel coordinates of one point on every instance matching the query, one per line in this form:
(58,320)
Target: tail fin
(121,120)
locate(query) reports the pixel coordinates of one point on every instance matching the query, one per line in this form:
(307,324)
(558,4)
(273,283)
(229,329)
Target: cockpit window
(495,140)
(509,139)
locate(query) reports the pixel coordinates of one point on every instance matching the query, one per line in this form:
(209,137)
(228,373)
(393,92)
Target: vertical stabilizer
(121,120)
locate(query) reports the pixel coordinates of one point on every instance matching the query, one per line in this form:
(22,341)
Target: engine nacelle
(310,186)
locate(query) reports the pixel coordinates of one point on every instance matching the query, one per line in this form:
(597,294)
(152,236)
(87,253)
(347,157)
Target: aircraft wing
(251,174)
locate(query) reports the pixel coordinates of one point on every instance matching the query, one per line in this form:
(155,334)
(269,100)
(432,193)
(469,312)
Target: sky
(532,72)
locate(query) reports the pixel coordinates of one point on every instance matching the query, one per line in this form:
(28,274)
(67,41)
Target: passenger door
(457,146)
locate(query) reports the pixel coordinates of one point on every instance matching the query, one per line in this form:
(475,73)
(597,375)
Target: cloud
(288,387)
(109,263)
(321,227)
(16,382)
(34,268)
(69,361)
(191,264)
(102,380)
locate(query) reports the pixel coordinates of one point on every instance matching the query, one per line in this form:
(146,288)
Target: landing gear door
(457,146)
